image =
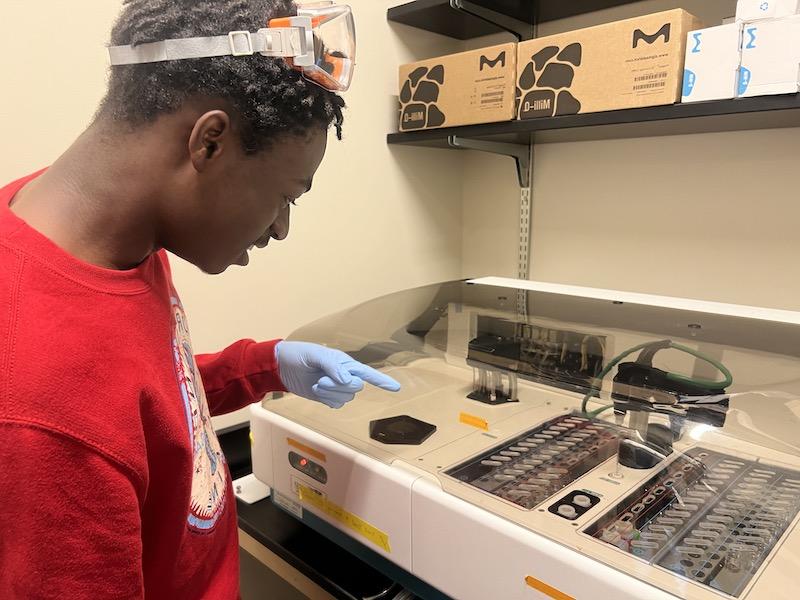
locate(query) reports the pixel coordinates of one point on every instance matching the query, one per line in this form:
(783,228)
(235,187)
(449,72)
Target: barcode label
(492,97)
(649,86)
(651,76)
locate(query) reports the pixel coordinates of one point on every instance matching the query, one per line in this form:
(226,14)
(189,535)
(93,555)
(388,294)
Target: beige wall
(378,219)
(711,216)
(384,218)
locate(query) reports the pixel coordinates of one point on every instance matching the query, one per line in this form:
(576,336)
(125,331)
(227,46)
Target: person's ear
(210,138)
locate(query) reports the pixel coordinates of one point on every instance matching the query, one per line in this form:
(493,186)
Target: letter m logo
(639,35)
(486,62)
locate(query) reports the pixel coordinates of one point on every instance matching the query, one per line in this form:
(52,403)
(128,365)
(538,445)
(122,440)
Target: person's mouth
(263,241)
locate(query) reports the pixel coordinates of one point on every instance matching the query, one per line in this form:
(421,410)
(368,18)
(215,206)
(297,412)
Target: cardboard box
(770,57)
(758,10)
(459,89)
(626,64)
(712,63)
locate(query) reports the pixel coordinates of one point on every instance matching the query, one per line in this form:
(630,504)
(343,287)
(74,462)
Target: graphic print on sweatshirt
(209,476)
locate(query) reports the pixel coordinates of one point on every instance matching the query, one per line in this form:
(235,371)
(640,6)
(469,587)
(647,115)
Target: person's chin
(242,260)
(220,267)
(215,269)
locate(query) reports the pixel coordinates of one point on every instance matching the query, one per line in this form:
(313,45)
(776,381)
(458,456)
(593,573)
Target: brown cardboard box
(459,89)
(626,64)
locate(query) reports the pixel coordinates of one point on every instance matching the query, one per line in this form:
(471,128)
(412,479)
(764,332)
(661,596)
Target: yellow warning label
(469,419)
(547,589)
(348,519)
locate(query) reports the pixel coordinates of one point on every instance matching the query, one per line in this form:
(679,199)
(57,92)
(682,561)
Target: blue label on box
(744,80)
(689,79)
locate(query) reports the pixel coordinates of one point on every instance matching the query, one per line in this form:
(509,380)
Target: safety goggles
(320,42)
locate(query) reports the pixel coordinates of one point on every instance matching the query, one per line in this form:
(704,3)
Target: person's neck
(94,201)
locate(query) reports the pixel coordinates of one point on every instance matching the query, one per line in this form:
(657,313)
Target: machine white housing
(414,505)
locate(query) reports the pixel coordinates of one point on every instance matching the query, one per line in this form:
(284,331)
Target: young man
(112,480)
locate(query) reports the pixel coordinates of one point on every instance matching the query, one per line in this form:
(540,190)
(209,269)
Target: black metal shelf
(763,112)
(438,16)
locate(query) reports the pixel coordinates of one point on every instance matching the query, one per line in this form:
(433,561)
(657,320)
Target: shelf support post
(523,155)
(519,29)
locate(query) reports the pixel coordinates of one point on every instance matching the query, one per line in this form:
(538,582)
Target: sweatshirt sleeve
(70,524)
(241,374)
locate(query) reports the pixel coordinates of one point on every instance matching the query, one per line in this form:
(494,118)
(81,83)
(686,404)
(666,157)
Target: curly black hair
(268,97)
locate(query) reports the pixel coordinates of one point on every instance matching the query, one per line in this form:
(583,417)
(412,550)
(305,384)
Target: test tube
(740,557)
(689,551)
(708,534)
(652,536)
(644,549)
(625,530)
(667,530)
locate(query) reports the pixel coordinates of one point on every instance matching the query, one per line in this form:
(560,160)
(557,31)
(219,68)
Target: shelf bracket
(519,29)
(521,153)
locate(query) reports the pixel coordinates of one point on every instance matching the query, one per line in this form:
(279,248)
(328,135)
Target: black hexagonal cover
(402,429)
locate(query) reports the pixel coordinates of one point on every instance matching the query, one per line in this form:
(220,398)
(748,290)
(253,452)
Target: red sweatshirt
(112,482)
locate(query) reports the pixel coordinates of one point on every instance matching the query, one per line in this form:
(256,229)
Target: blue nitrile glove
(324,374)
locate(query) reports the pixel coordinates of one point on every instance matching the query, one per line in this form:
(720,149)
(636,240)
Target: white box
(712,63)
(770,57)
(757,10)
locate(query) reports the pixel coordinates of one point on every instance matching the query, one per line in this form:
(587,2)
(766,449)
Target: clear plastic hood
(660,436)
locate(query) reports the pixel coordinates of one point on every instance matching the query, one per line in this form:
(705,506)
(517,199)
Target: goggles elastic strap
(276,42)
(319,42)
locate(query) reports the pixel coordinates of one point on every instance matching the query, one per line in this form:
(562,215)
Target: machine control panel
(309,467)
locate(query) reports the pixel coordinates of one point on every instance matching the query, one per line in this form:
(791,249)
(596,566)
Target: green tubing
(674,376)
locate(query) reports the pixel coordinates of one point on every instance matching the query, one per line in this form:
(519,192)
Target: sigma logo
(698,40)
(751,35)
(486,62)
(545,105)
(639,35)
(411,117)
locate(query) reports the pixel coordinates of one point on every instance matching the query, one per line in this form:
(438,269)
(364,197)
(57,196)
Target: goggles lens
(334,36)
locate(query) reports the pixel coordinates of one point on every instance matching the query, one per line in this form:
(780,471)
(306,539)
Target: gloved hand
(324,374)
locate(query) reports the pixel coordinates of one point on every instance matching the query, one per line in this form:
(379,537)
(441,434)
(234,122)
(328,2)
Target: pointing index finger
(373,376)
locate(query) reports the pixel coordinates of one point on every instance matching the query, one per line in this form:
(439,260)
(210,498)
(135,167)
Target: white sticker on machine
(288,504)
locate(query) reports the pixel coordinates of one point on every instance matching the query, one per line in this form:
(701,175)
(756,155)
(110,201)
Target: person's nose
(280,228)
